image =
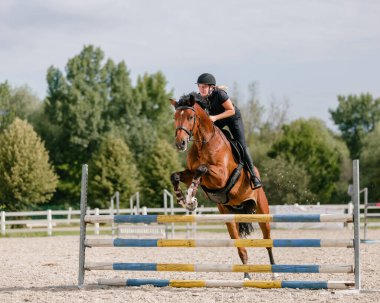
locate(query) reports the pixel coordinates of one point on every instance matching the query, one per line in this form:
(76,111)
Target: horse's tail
(247,207)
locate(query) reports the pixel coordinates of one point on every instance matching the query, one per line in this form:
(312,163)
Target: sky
(306,52)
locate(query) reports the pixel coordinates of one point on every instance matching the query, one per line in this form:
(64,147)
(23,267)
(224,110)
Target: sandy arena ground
(46,270)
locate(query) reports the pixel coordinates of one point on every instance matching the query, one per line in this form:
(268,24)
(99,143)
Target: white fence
(50,221)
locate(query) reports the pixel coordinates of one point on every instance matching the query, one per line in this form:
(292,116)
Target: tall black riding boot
(255,181)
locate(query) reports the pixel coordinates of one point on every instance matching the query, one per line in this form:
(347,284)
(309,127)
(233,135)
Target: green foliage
(16,102)
(154,118)
(156,166)
(262,125)
(356,116)
(26,177)
(80,109)
(112,169)
(76,103)
(285,182)
(312,146)
(92,100)
(370,163)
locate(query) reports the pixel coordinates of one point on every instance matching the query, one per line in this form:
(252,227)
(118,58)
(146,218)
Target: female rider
(222,112)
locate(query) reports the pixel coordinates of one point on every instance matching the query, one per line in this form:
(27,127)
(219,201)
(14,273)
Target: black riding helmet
(206,78)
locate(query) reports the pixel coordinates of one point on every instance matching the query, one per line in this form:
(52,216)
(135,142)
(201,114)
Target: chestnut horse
(210,163)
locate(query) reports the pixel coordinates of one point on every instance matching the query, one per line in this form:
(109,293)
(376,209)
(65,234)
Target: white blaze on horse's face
(184,124)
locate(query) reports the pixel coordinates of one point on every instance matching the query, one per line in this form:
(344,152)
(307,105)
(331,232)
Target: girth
(222,195)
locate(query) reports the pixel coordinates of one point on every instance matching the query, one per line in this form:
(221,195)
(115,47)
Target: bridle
(191,132)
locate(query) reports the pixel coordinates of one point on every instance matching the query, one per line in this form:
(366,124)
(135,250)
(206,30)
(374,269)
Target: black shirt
(214,105)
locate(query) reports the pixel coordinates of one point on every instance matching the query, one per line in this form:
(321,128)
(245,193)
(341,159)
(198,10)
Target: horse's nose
(181,145)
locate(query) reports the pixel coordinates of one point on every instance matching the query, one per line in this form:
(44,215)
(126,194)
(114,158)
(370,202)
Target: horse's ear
(173,102)
(191,100)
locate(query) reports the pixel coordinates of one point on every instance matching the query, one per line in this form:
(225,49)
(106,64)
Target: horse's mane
(185,100)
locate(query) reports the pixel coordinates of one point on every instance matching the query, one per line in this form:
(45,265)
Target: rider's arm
(229,111)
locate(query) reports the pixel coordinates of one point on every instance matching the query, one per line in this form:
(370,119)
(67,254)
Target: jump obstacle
(375,213)
(135,230)
(355,243)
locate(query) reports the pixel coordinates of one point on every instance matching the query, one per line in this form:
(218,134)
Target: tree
(77,103)
(252,112)
(262,125)
(156,167)
(16,102)
(286,182)
(154,119)
(355,117)
(370,164)
(26,177)
(314,148)
(112,169)
(92,100)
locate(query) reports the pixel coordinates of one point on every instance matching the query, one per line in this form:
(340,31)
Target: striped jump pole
(84,243)
(147,219)
(228,283)
(220,267)
(219,243)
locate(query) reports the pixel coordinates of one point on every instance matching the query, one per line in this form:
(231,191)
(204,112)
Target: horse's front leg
(182,176)
(191,200)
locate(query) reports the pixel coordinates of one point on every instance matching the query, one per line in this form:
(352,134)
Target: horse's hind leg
(263,208)
(233,230)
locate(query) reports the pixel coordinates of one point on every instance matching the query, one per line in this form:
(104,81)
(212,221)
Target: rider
(222,112)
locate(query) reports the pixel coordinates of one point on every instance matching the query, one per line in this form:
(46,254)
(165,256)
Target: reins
(191,132)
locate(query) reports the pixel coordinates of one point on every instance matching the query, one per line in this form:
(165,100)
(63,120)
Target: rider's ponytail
(221,87)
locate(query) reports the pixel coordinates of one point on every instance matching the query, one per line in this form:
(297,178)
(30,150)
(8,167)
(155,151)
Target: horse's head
(185,119)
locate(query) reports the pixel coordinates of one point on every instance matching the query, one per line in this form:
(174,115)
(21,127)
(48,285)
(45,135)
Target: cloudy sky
(305,51)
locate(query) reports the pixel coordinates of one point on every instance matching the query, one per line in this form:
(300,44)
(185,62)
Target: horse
(211,163)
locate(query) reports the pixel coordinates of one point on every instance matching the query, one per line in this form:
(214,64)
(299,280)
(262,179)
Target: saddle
(222,195)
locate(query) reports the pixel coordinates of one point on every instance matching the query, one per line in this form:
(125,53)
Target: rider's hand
(213,118)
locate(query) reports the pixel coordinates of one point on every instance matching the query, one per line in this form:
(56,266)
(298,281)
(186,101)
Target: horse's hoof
(191,208)
(247,276)
(275,276)
(192,205)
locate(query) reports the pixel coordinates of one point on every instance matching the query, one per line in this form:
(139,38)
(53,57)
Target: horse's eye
(190,118)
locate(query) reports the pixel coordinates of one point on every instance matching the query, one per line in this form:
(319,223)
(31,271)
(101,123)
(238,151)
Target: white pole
(69,215)
(365,212)
(131,204)
(83,206)
(97,224)
(3,223)
(187,227)
(117,203)
(172,212)
(356,201)
(112,213)
(166,212)
(49,223)
(350,211)
(138,203)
